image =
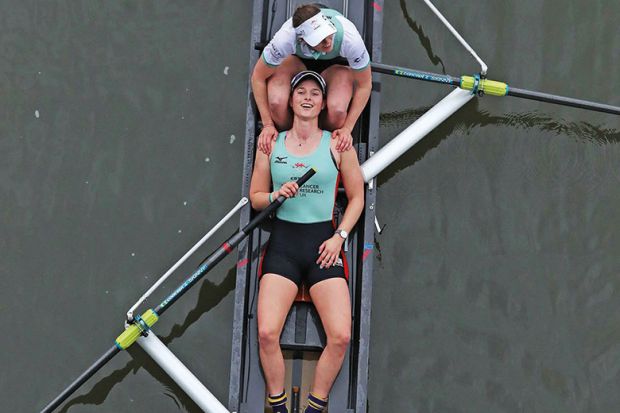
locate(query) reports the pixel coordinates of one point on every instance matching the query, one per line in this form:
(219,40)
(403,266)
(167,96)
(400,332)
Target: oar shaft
(81,379)
(562,100)
(493,88)
(225,249)
(132,332)
(456,81)
(415,74)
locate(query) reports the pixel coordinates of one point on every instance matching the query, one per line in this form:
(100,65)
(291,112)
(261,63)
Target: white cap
(315,29)
(308,74)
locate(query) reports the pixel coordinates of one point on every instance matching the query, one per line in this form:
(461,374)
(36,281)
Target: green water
(496,283)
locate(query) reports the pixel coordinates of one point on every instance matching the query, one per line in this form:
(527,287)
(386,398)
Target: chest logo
(281,159)
(299,165)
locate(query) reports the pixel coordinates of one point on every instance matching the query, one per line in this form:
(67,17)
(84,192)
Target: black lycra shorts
(318,65)
(293,250)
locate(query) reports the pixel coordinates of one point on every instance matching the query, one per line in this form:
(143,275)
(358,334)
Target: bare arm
(260,74)
(261,182)
(353,182)
(268,134)
(260,185)
(362,82)
(354,188)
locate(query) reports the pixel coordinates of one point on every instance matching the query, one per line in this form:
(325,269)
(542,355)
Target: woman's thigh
(339,81)
(332,301)
(279,84)
(275,297)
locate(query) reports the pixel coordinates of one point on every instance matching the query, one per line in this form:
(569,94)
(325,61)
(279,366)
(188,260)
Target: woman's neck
(305,129)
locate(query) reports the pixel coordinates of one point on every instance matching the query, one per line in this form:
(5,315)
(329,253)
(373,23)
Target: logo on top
(315,23)
(299,165)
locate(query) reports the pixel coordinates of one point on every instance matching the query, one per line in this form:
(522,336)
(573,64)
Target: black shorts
(320,65)
(293,250)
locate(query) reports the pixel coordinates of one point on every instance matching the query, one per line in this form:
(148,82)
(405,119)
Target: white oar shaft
(181,374)
(208,235)
(483,66)
(418,129)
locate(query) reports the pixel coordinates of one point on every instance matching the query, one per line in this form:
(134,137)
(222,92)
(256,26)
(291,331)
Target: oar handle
(142,325)
(226,248)
(275,204)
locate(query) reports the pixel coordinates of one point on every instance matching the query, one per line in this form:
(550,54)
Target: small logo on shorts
(338,263)
(281,159)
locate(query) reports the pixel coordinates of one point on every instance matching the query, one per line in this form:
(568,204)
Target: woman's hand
(329,251)
(344,139)
(289,190)
(267,136)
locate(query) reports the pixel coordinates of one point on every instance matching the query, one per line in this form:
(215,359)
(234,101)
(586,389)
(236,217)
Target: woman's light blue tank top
(314,201)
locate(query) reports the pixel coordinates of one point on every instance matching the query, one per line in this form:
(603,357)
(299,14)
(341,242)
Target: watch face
(342,233)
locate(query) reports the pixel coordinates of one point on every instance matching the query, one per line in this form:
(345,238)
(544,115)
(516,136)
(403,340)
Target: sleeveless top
(314,201)
(348,43)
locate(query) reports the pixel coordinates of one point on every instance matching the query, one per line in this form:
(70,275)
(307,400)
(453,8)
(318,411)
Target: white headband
(315,29)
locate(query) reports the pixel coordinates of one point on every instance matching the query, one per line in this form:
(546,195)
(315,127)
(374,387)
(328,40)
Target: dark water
(497,286)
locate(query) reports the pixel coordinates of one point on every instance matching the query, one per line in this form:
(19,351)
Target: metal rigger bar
(468,87)
(142,324)
(243,201)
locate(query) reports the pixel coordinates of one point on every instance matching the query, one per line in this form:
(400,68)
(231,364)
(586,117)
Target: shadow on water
(209,296)
(424,39)
(470,117)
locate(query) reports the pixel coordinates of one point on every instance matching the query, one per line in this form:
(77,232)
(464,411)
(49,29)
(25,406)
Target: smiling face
(307,99)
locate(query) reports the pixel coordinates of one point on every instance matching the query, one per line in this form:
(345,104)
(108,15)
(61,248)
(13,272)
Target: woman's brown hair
(303,13)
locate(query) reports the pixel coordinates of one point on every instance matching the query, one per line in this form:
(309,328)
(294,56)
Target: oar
(142,324)
(481,86)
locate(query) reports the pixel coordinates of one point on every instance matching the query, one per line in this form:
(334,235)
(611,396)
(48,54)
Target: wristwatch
(343,234)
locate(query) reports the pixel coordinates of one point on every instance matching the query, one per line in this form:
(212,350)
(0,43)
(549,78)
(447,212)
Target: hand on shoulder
(267,137)
(344,139)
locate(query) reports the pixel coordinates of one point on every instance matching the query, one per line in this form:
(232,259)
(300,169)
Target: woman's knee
(340,340)
(337,114)
(278,103)
(278,107)
(268,336)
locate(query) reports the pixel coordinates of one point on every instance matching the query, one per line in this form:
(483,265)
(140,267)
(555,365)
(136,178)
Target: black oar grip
(302,180)
(276,203)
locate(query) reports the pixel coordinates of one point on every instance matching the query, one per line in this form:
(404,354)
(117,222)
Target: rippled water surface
(496,284)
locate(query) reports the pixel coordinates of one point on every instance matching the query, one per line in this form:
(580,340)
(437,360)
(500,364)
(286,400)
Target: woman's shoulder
(281,136)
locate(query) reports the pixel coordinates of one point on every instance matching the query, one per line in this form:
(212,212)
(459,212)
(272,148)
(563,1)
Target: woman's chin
(307,114)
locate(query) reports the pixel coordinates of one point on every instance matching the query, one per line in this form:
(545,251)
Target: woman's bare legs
(275,297)
(279,90)
(339,80)
(332,301)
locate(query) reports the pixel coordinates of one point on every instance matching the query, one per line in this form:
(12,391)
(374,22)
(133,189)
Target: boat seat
(303,295)
(303,329)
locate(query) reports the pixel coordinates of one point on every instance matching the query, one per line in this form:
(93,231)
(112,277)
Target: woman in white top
(312,37)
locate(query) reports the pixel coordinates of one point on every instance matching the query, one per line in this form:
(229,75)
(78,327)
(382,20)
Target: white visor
(315,29)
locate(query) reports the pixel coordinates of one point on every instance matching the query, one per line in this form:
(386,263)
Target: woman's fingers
(326,258)
(289,189)
(322,257)
(266,139)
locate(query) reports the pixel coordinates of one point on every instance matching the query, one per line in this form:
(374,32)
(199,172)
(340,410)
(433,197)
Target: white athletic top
(348,43)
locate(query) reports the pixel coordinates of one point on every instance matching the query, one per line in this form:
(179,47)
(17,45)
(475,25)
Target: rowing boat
(303,337)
